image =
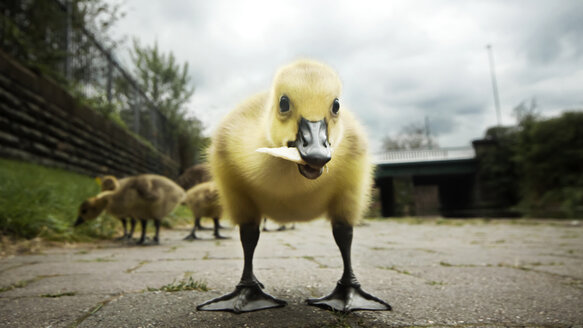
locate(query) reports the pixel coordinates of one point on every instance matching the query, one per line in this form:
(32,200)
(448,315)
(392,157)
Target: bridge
(427,182)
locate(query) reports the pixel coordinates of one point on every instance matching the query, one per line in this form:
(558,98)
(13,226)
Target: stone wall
(42,123)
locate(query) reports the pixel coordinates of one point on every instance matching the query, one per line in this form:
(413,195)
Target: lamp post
(494,84)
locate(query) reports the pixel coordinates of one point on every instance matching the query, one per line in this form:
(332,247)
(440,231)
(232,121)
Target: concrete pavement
(435,274)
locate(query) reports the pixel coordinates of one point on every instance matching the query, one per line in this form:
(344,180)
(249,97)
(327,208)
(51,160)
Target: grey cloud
(399,61)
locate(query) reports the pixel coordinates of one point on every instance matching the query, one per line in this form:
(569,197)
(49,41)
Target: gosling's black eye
(283,104)
(83,211)
(335,107)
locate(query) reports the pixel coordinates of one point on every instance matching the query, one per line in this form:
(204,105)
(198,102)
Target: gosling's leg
(132,228)
(192,235)
(125,229)
(143,236)
(248,295)
(217,234)
(157,235)
(199,226)
(348,296)
(265,224)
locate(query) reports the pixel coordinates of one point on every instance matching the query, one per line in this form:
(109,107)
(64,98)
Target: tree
(164,81)
(535,167)
(526,113)
(35,32)
(412,136)
(167,85)
(549,156)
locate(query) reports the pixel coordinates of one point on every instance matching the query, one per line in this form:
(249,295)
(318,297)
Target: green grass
(189,284)
(36,201)
(132,269)
(181,216)
(19,284)
(394,268)
(24,283)
(436,283)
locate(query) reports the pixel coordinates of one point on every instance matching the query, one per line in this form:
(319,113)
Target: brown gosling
(110,182)
(144,197)
(203,201)
(191,177)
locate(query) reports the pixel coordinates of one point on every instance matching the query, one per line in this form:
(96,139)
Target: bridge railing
(48,36)
(423,155)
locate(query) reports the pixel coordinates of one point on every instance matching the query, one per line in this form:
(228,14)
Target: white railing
(424,155)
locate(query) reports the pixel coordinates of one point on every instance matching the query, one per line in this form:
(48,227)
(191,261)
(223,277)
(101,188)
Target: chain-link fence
(49,36)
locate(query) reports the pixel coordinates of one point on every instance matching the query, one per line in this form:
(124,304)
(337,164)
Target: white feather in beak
(287,153)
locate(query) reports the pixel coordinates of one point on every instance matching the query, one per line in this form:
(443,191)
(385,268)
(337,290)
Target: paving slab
(435,273)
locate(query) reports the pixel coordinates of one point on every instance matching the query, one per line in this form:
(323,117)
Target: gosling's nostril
(312,142)
(317,159)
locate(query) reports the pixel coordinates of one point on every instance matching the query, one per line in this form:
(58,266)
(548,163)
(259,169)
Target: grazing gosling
(192,176)
(330,176)
(109,182)
(145,197)
(203,201)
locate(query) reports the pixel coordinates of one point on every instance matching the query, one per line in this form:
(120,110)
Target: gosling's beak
(78,222)
(313,146)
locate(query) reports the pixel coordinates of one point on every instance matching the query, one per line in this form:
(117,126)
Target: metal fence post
(68,31)
(154,121)
(136,109)
(109,79)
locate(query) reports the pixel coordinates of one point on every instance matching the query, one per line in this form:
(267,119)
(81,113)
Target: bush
(536,167)
(550,157)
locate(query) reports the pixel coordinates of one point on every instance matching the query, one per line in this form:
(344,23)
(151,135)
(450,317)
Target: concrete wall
(41,123)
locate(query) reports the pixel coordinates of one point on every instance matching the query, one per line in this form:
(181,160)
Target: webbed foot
(122,238)
(348,298)
(148,242)
(245,298)
(191,237)
(217,236)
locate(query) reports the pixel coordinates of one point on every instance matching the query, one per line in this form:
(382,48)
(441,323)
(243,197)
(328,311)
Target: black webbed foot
(221,237)
(191,237)
(348,298)
(245,298)
(148,242)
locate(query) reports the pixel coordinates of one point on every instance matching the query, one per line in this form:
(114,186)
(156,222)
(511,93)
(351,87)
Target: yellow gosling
(303,111)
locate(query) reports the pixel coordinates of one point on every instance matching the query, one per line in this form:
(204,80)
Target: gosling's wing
(146,189)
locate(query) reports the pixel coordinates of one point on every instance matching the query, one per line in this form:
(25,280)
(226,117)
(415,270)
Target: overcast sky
(399,61)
